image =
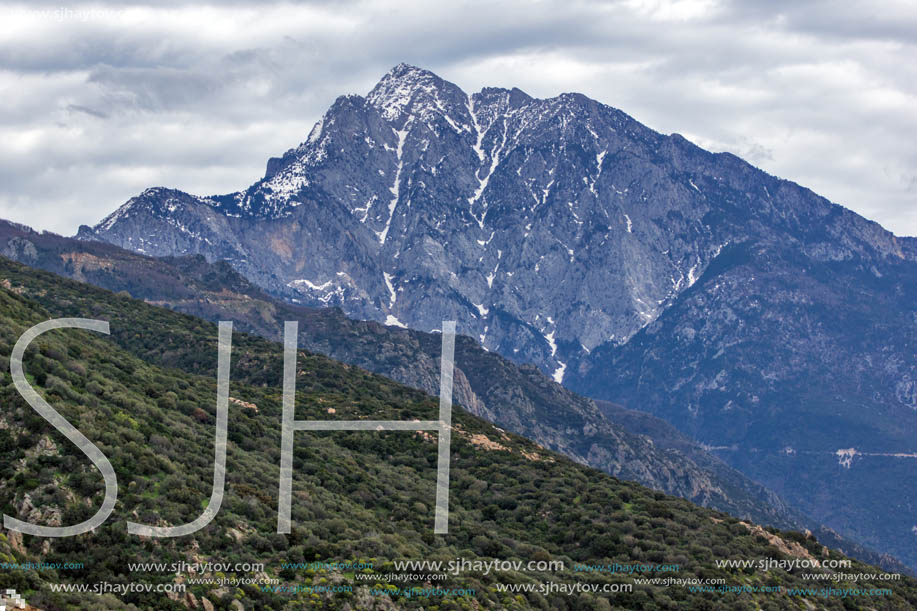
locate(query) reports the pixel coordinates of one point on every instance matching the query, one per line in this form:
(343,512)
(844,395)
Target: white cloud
(95,109)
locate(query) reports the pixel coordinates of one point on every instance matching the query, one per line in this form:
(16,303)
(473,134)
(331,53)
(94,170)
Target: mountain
(763,321)
(145,396)
(626,443)
(549,226)
(518,398)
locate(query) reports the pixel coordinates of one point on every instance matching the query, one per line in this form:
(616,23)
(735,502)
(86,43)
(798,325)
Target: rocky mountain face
(548,227)
(145,395)
(799,372)
(762,320)
(629,444)
(520,398)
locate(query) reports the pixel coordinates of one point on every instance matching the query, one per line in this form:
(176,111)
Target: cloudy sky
(102,101)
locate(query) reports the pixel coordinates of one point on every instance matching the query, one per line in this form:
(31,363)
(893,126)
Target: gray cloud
(99,106)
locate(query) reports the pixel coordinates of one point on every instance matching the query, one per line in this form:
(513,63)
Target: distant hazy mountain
(759,318)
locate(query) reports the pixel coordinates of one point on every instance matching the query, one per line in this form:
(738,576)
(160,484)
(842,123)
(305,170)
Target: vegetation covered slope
(518,398)
(146,396)
(800,372)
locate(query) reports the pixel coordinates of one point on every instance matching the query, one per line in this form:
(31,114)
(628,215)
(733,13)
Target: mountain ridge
(566,234)
(520,398)
(491,388)
(482,149)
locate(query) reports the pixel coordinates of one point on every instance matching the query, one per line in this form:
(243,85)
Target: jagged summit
(407,92)
(425,188)
(404,85)
(407,71)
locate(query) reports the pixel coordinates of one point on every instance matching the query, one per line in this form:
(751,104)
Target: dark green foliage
(146,396)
